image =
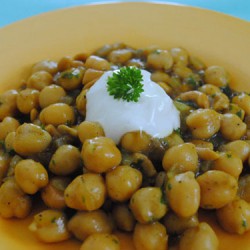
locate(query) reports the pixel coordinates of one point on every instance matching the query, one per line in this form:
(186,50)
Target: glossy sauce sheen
(154,113)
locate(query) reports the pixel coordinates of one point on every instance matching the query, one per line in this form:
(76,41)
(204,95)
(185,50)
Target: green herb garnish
(71,74)
(244,223)
(126,84)
(239,113)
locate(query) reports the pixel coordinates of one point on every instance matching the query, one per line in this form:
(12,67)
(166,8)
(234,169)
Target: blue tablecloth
(14,10)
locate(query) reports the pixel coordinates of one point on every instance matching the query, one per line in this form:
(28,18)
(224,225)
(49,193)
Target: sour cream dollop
(154,113)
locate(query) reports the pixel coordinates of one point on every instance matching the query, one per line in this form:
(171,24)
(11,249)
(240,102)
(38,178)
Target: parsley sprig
(126,84)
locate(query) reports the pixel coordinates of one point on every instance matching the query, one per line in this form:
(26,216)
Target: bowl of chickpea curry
(85,166)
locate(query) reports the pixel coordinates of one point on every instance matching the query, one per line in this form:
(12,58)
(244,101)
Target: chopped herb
(229,155)
(163,199)
(71,74)
(227,91)
(163,194)
(177,131)
(8,151)
(53,220)
(188,103)
(137,165)
(193,83)
(169,186)
(244,223)
(239,113)
(42,126)
(2,143)
(126,84)
(157,51)
(68,123)
(217,140)
(115,241)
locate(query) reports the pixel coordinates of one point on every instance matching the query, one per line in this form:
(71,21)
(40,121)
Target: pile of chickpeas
(152,188)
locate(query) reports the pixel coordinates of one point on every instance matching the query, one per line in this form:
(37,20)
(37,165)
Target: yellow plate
(215,38)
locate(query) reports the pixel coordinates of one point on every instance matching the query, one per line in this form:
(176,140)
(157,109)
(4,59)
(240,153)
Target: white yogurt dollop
(154,113)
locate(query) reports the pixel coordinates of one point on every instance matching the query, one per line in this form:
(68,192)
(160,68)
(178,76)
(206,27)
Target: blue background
(14,10)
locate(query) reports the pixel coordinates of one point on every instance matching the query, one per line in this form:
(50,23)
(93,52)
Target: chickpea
(50,95)
(244,187)
(199,237)
(53,194)
(70,79)
(8,105)
(209,89)
(66,130)
(65,63)
(50,226)
(91,75)
(89,130)
(135,62)
(160,76)
(45,65)
(57,114)
(177,225)
(200,98)
(39,80)
(83,224)
(101,241)
(182,71)
(219,101)
(180,55)
(100,154)
(144,164)
(217,76)
(86,192)
(243,101)
(165,87)
(123,218)
(150,236)
(9,141)
(31,176)
(13,201)
(232,127)
(120,56)
(30,139)
(228,163)
(160,59)
(238,147)
(27,100)
(81,101)
(8,124)
(66,160)
(122,182)
(203,123)
(196,63)
(235,216)
(173,139)
(207,154)
(4,164)
(181,158)
(183,194)
(98,63)
(136,141)
(217,189)
(104,50)
(147,204)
